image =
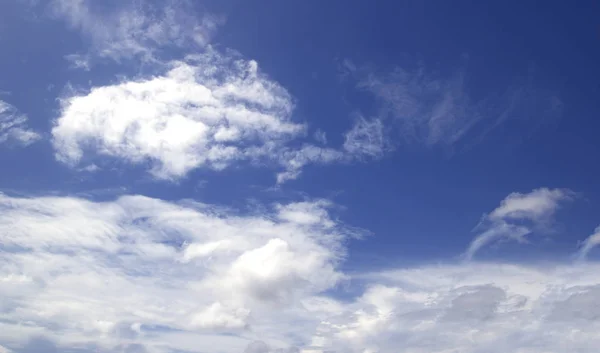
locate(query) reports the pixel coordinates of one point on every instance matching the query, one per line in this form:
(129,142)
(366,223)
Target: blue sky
(298,176)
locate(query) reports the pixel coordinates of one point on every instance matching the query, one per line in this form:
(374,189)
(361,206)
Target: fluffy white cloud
(138,274)
(518,215)
(135,29)
(471,308)
(139,270)
(13,126)
(208,110)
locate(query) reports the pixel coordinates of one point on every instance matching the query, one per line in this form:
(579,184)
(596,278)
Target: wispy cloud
(364,141)
(589,244)
(136,29)
(437,110)
(366,138)
(517,216)
(13,127)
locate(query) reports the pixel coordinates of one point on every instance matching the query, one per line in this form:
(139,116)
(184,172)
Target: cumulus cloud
(141,270)
(470,308)
(135,29)
(13,127)
(137,274)
(208,111)
(437,110)
(518,215)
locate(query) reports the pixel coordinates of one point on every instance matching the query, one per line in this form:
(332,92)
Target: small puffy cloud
(518,215)
(134,29)
(13,127)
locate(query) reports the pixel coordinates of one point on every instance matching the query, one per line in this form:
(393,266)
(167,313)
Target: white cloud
(13,127)
(536,206)
(518,215)
(365,140)
(589,244)
(141,274)
(136,269)
(135,29)
(295,159)
(470,308)
(208,110)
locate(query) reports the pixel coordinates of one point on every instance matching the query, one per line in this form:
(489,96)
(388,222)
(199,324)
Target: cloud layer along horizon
(164,276)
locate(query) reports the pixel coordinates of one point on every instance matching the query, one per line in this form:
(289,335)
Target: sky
(264,176)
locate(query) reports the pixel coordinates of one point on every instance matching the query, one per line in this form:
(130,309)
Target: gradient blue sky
(366,168)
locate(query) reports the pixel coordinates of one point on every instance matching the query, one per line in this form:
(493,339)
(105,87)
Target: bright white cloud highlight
(138,274)
(13,127)
(518,215)
(470,308)
(80,272)
(209,110)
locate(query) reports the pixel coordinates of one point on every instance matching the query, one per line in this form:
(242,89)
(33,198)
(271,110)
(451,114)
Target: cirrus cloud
(135,29)
(13,127)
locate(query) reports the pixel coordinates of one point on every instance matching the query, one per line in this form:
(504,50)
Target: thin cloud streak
(518,216)
(434,110)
